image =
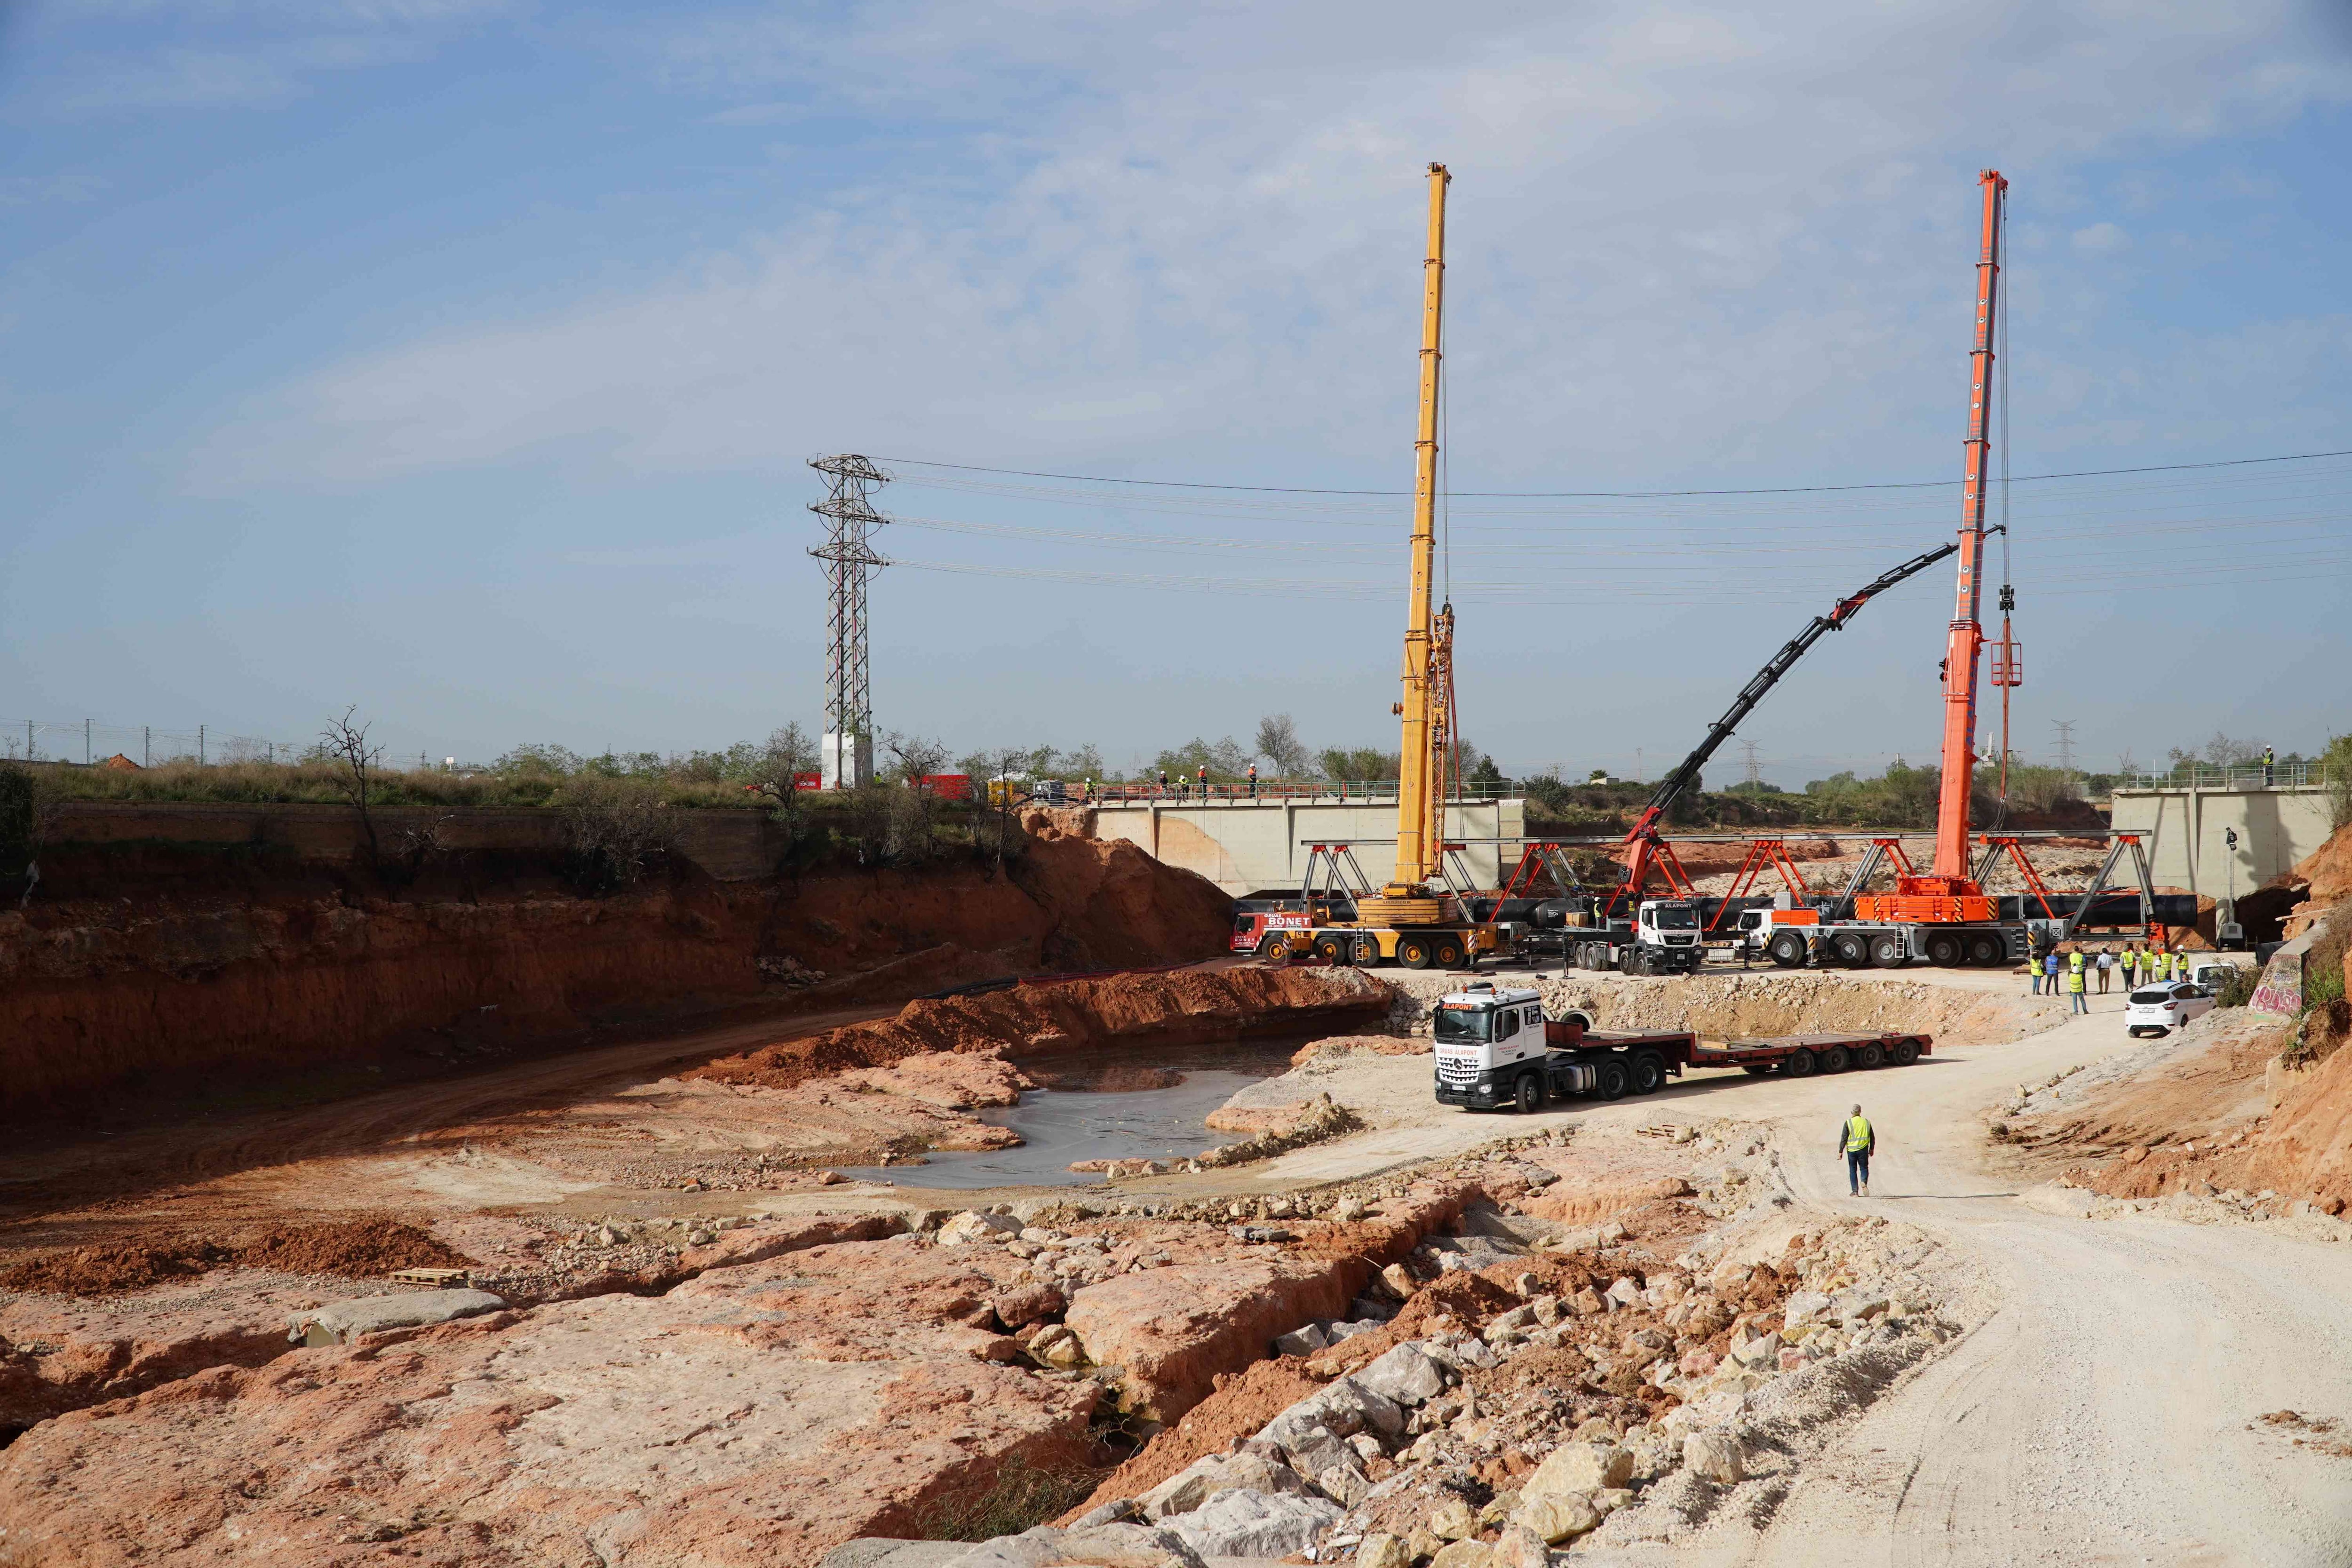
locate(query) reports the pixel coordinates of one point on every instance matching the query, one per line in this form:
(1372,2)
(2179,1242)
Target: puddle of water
(1151,1108)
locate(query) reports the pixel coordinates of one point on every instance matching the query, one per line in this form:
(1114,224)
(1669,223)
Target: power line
(1613,495)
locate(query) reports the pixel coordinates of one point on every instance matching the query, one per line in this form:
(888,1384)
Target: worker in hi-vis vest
(1856,1138)
(2076,1001)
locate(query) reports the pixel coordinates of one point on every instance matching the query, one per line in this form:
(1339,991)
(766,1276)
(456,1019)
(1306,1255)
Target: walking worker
(2107,967)
(1163,781)
(1856,1140)
(2076,1000)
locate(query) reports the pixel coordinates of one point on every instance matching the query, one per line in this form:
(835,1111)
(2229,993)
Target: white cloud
(1674,230)
(2100,239)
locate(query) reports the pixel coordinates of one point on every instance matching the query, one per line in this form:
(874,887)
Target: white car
(2157,1009)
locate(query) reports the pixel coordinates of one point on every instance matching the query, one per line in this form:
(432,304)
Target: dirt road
(2107,1412)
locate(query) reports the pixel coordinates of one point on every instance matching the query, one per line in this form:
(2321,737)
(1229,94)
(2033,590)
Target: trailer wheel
(1364,951)
(1330,949)
(1611,1079)
(1870,1055)
(1788,950)
(1801,1064)
(1412,951)
(1272,947)
(1889,950)
(1529,1093)
(1850,949)
(1449,953)
(1904,1052)
(1834,1059)
(1943,951)
(1987,951)
(1649,1073)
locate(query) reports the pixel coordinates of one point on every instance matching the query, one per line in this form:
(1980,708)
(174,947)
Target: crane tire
(1364,952)
(1272,947)
(1945,951)
(1987,951)
(1850,949)
(1412,951)
(1787,949)
(1330,949)
(1889,950)
(1449,953)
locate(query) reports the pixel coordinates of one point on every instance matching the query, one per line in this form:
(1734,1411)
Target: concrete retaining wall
(2185,827)
(1246,845)
(732,846)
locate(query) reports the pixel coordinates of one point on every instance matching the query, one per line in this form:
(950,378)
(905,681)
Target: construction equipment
(1410,920)
(1495,1047)
(1640,935)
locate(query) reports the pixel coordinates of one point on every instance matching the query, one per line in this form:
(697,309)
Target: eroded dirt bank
(1089,1015)
(185,983)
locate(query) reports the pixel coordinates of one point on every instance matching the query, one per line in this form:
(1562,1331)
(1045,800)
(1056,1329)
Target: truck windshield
(1464,1023)
(1674,919)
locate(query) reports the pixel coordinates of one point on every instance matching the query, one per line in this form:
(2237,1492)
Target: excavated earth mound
(356,1249)
(1798,1001)
(1071,1015)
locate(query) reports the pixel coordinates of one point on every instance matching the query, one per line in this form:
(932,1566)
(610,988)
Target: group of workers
(2070,971)
(1187,783)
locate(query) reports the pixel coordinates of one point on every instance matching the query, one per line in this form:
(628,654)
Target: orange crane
(1948,894)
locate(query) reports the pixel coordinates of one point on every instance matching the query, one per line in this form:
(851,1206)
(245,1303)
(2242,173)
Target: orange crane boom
(1964,646)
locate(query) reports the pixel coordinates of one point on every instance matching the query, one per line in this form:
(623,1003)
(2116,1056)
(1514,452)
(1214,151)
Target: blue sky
(460,360)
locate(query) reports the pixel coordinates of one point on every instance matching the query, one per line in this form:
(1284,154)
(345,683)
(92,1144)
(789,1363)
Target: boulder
(340,1322)
(1305,1341)
(1398,1281)
(887,1551)
(1588,1302)
(1171,1330)
(1610,1501)
(1579,1467)
(1381,1550)
(976,1225)
(1715,1457)
(1623,1292)
(1859,1306)
(1802,1307)
(1197,1482)
(1464,1554)
(1025,1305)
(1558,1517)
(1343,1484)
(1102,1545)
(1453,1520)
(1758,1353)
(1519,1547)
(1403,1375)
(1245,1523)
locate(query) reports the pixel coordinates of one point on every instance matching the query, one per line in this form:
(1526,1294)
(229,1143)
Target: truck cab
(1668,923)
(1490,1037)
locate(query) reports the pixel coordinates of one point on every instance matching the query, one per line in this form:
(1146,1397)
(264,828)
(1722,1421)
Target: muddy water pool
(1144,1105)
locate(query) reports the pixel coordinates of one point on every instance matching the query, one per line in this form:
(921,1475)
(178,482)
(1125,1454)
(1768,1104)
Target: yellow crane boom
(1428,632)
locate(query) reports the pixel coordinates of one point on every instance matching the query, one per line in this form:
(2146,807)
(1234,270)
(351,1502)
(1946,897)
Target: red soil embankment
(1071,1014)
(171,978)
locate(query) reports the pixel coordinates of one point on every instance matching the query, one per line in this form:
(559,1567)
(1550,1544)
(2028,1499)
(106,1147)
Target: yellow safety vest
(2075,981)
(1857,1134)
(2074,961)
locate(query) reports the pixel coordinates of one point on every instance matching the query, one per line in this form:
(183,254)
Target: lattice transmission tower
(1754,770)
(849,557)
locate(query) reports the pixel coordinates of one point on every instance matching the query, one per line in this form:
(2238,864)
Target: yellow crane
(1409,920)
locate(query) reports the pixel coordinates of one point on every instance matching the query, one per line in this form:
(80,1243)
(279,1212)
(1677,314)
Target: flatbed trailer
(1519,1058)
